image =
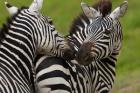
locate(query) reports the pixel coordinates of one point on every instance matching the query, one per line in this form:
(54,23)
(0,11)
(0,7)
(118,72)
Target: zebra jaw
(68,54)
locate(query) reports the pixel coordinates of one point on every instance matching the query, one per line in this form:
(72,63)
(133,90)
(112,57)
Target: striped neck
(18,47)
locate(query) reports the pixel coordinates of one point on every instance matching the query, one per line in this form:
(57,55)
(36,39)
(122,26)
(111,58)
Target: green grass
(128,65)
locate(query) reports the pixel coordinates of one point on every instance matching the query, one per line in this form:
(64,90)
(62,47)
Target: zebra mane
(6,25)
(78,22)
(104,6)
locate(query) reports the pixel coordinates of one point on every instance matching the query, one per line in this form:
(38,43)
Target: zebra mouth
(85,60)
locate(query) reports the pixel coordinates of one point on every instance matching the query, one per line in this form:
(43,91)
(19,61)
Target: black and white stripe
(56,75)
(26,34)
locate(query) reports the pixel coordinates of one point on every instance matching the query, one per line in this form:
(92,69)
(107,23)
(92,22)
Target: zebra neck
(105,70)
(17,50)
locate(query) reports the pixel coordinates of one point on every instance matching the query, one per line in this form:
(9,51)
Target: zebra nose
(84,56)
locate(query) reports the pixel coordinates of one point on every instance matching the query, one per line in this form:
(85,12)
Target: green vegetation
(128,65)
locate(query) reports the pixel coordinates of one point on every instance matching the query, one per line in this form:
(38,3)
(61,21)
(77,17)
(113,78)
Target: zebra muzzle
(84,56)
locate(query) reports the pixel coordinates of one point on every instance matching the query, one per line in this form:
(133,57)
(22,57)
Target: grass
(128,65)
(129,83)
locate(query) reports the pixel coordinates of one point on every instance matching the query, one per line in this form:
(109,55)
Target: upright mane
(6,25)
(104,6)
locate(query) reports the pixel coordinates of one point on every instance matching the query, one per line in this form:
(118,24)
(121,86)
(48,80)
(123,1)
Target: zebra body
(55,75)
(25,35)
(97,72)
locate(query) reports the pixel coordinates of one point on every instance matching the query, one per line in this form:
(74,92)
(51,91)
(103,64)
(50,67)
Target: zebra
(104,35)
(86,73)
(26,34)
(57,44)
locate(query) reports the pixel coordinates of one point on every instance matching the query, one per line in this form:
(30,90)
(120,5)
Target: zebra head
(13,10)
(104,34)
(48,40)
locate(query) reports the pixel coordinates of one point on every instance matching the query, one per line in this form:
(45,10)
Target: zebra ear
(119,11)
(11,9)
(36,5)
(89,11)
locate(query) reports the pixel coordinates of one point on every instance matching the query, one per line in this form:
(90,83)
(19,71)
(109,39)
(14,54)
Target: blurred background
(64,11)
